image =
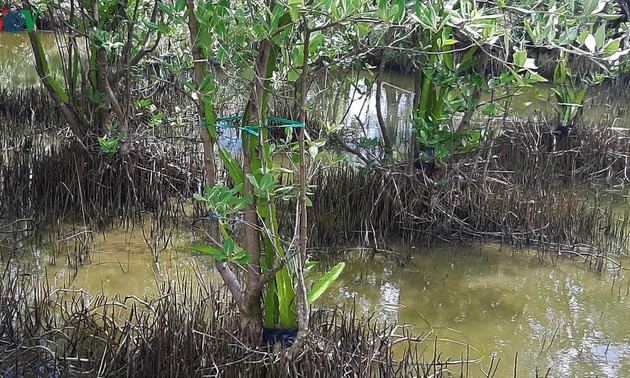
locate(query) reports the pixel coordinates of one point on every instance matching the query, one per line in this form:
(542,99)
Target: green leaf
(253,181)
(199,197)
(520,57)
(266,182)
(324,283)
(579,98)
(286,298)
(449,42)
(293,75)
(150,25)
(393,11)
(180,5)
(248,74)
(316,41)
(612,47)
(241,258)
(600,35)
(582,37)
(534,77)
(235,170)
(243,202)
(207,250)
(166,9)
(228,246)
(489,110)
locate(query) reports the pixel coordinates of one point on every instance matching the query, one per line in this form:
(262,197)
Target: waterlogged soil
(480,303)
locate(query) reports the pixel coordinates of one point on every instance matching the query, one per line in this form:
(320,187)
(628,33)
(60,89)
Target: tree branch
(77,125)
(231,281)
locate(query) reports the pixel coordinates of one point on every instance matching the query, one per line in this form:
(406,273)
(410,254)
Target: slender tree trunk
(251,308)
(417,94)
(76,124)
(465,123)
(227,274)
(388,146)
(302,307)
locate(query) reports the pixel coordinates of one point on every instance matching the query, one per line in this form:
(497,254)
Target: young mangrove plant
(271,271)
(453,44)
(107,40)
(585,35)
(570,94)
(447,81)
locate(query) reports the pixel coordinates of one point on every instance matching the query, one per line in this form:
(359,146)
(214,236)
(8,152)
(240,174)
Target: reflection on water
(349,101)
(499,302)
(557,316)
(17,65)
(120,263)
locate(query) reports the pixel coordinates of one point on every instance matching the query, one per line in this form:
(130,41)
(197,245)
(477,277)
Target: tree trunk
(302,307)
(388,146)
(76,124)
(251,306)
(208,142)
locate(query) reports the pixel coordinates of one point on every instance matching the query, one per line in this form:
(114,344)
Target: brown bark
(251,308)
(465,123)
(417,94)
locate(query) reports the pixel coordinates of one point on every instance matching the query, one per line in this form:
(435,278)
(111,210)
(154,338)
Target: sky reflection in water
(553,314)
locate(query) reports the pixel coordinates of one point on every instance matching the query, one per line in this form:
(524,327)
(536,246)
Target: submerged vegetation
(159,103)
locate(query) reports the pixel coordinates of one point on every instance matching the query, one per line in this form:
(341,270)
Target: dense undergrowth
(528,187)
(190,329)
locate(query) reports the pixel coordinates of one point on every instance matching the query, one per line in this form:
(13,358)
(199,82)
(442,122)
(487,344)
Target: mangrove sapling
(443,85)
(263,257)
(116,41)
(585,34)
(570,94)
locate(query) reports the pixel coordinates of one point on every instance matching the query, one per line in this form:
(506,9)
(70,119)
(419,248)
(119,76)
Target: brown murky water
(477,302)
(554,314)
(17,65)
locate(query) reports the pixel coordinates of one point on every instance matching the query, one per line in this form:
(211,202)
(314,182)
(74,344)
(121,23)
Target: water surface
(475,302)
(481,301)
(17,65)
